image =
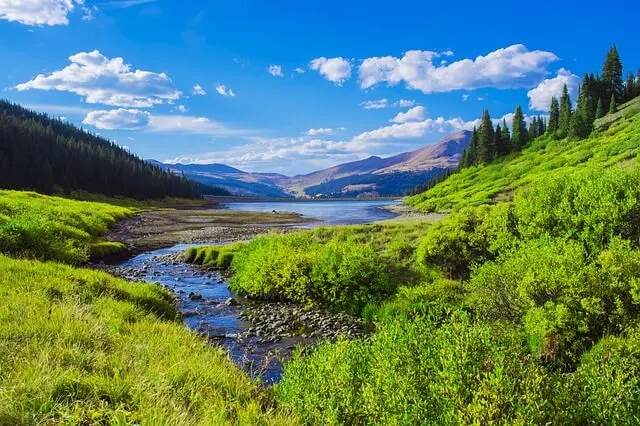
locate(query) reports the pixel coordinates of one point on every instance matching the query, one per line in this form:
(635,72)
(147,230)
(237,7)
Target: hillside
(616,140)
(48,155)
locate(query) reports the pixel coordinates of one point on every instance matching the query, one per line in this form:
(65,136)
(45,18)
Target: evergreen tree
(486,148)
(564,118)
(630,87)
(497,141)
(580,121)
(518,130)
(600,109)
(612,75)
(554,116)
(612,104)
(506,138)
(533,128)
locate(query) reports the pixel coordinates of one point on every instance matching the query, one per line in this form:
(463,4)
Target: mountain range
(373,176)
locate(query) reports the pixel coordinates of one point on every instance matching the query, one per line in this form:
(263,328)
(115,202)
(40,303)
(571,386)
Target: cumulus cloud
(38,12)
(181,108)
(511,67)
(465,97)
(101,80)
(198,90)
(275,70)
(336,70)
(405,103)
(299,70)
(135,119)
(418,113)
(118,119)
(540,96)
(222,90)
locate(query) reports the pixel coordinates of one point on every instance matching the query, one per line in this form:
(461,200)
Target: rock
(195,296)
(232,302)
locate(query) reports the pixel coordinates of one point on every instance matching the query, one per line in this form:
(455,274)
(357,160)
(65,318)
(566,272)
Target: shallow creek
(258,336)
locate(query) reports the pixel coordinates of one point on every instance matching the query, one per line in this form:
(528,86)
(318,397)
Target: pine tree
(630,87)
(497,141)
(554,116)
(506,138)
(518,130)
(599,109)
(533,128)
(612,74)
(472,150)
(581,122)
(612,104)
(564,120)
(486,148)
(542,126)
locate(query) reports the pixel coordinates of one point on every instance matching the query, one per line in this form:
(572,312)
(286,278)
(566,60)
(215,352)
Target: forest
(48,155)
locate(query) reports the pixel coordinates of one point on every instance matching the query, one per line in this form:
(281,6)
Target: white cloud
(38,12)
(540,96)
(384,103)
(181,108)
(222,89)
(122,119)
(275,70)
(101,80)
(135,119)
(299,70)
(405,103)
(87,12)
(198,90)
(512,67)
(418,113)
(377,104)
(465,97)
(336,70)
(321,131)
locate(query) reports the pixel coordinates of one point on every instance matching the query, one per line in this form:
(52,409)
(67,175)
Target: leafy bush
(414,372)
(219,257)
(340,274)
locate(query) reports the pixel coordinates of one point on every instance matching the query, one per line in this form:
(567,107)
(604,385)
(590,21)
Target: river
(259,344)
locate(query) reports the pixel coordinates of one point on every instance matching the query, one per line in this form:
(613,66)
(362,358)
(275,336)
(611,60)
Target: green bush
(340,274)
(218,257)
(414,372)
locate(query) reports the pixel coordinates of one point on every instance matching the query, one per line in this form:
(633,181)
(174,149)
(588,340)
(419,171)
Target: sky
(296,86)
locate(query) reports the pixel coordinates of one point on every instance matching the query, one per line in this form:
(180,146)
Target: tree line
(45,154)
(598,95)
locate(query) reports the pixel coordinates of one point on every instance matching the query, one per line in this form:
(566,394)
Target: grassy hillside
(55,228)
(617,141)
(81,347)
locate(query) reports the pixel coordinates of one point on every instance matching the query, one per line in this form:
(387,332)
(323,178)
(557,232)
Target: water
(325,212)
(211,317)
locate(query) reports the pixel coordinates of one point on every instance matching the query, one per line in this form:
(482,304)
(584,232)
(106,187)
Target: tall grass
(53,228)
(81,347)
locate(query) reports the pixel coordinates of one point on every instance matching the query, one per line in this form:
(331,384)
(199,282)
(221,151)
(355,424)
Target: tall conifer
(554,116)
(518,130)
(564,120)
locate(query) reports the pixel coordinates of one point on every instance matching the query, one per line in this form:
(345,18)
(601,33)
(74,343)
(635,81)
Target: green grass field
(619,143)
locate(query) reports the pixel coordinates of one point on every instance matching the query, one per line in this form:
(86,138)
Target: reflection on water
(327,212)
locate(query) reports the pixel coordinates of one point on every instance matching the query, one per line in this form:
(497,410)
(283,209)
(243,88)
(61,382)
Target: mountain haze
(375,176)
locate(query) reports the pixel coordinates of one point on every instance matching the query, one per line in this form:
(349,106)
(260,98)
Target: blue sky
(294,86)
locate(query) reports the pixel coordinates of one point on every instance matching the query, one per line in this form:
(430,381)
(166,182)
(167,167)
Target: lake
(326,212)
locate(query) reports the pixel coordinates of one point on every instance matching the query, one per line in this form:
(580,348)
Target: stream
(258,336)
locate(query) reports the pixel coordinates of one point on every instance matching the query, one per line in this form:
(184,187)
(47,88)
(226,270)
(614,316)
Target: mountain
(49,155)
(384,176)
(231,179)
(373,176)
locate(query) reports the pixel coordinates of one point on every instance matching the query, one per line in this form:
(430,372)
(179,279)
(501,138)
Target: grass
(217,257)
(54,228)
(619,143)
(82,347)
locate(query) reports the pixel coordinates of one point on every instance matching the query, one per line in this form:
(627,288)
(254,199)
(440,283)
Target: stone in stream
(195,296)
(232,302)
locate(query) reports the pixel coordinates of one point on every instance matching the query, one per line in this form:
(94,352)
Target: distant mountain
(373,176)
(384,176)
(233,180)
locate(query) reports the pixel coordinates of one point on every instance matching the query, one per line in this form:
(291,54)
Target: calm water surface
(326,212)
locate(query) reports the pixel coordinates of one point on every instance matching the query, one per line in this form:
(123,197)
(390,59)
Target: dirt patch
(156,229)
